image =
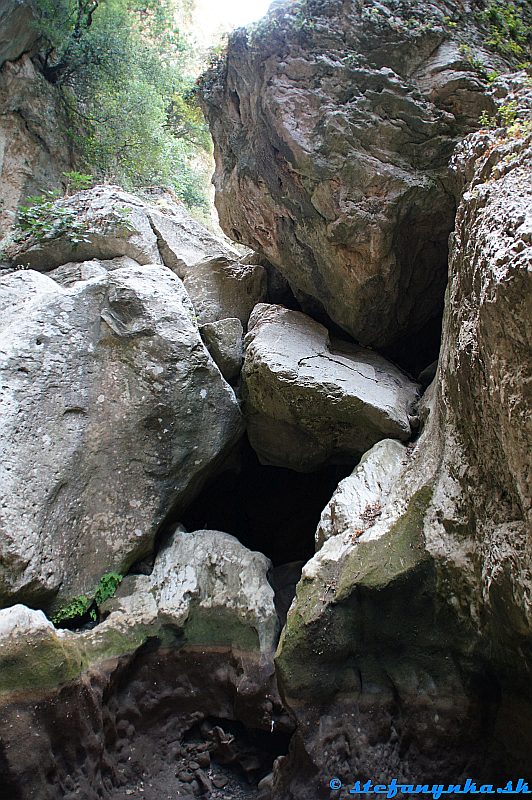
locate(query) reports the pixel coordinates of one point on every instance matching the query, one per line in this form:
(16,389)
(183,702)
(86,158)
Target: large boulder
(205,584)
(413,638)
(333,124)
(310,399)
(112,413)
(105,223)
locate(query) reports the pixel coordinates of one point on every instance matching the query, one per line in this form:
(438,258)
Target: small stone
(204,759)
(220,781)
(204,781)
(193,765)
(186,777)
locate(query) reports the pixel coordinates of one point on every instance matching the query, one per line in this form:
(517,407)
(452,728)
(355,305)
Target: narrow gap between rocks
(270,509)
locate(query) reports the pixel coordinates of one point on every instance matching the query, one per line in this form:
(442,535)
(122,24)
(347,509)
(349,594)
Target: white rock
(96,438)
(359,499)
(205,577)
(309,400)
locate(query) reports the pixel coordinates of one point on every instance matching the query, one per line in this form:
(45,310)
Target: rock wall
(412,626)
(333,124)
(136,348)
(34,148)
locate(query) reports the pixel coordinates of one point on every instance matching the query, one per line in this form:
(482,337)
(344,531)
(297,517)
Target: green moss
(43,662)
(219,628)
(100,645)
(327,619)
(375,564)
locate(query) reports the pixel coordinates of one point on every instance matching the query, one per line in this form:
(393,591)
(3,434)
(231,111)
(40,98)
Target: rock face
(34,151)
(359,499)
(425,629)
(112,412)
(223,340)
(111,223)
(17,31)
(207,584)
(309,400)
(333,125)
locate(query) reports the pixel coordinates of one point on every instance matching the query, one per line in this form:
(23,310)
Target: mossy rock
(40,661)
(357,607)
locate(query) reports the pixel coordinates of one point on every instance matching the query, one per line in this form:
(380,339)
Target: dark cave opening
(270,509)
(415,352)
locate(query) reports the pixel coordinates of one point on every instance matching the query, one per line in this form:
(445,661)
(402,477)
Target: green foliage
(486,121)
(44,217)
(507,117)
(107,586)
(78,607)
(510,27)
(121,68)
(508,113)
(76,181)
(473,59)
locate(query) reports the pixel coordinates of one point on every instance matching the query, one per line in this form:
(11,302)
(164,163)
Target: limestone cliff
(34,148)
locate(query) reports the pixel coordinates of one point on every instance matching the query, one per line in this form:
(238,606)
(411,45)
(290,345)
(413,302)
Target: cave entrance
(270,509)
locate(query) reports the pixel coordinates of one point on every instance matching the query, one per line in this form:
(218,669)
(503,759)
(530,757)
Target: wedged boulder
(310,399)
(224,341)
(112,412)
(359,500)
(333,124)
(220,288)
(205,584)
(413,639)
(106,222)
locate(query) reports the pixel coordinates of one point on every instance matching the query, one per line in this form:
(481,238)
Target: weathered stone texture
(310,400)
(333,125)
(112,412)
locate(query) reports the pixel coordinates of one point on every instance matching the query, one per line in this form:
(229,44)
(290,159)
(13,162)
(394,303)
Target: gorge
(265,508)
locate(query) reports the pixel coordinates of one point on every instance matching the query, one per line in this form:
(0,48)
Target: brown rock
(334,166)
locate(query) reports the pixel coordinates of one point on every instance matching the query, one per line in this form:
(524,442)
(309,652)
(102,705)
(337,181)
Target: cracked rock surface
(309,400)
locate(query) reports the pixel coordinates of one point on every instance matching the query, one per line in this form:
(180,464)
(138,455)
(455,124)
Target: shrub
(120,66)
